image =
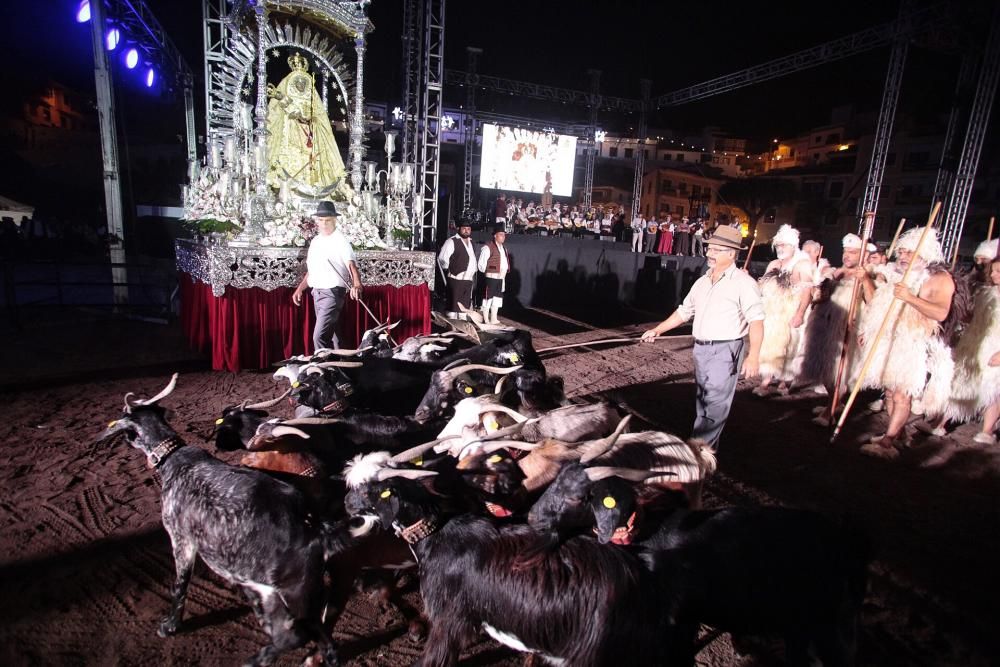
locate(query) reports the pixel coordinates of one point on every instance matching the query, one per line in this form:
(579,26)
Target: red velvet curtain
(253,328)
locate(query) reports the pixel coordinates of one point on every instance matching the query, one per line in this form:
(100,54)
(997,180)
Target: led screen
(527,160)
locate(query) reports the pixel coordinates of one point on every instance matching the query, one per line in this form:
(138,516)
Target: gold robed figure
(300,144)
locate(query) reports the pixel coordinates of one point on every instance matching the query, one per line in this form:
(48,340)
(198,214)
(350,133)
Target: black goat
(249,528)
(739,569)
(581,605)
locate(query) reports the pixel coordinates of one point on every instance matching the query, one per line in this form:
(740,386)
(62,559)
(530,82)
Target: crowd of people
(924,335)
(663,234)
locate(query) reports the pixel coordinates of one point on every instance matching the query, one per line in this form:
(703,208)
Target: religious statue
(302,151)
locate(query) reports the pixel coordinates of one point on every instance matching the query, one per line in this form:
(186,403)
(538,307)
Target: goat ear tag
(419,461)
(295,385)
(496,458)
(468,390)
(385,494)
(514,358)
(610,502)
(111,424)
(218,422)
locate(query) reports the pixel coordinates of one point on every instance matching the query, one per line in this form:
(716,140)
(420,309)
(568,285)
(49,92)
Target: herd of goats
(548,525)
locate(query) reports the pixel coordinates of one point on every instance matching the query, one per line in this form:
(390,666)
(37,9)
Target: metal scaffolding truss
(588,173)
(537,91)
(412,48)
(433,108)
(640,154)
(886,120)
(859,42)
(982,104)
(950,149)
(470,129)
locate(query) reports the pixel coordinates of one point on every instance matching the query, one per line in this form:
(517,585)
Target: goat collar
(499,511)
(625,534)
(338,406)
(163,450)
(415,532)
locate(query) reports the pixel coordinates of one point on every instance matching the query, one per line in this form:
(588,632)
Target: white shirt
(327,261)
(484,258)
(723,311)
(448,249)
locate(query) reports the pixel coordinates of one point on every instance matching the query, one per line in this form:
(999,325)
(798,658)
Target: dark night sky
(673,44)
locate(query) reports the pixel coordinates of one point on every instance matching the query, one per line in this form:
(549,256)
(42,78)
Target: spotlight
(131,58)
(150,77)
(83,12)
(112,39)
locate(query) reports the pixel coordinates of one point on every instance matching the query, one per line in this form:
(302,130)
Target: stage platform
(570,275)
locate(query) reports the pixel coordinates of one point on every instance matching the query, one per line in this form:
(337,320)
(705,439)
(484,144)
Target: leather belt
(715,342)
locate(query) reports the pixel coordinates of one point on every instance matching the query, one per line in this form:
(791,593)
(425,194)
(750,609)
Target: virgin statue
(300,144)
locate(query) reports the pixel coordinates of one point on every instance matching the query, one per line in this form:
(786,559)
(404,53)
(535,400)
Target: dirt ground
(85,567)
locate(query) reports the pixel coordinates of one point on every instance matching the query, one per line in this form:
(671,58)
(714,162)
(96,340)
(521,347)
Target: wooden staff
(954,255)
(989,233)
(892,246)
(889,316)
(851,312)
(753,242)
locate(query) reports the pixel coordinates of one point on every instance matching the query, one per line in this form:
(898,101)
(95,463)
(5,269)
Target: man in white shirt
(458,261)
(495,264)
(638,225)
(727,309)
(330,264)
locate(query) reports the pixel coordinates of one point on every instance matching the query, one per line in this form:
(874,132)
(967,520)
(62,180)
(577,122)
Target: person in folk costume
(666,244)
(786,288)
(979,275)
(823,335)
(682,238)
(649,242)
(494,263)
(914,346)
(458,261)
(638,228)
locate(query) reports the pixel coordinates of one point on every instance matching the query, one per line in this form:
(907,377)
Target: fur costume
(902,359)
(824,333)
(976,384)
(930,249)
(987,249)
(778,350)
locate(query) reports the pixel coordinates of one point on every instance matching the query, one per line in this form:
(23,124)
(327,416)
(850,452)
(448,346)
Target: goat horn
(511,444)
(509,430)
(339,364)
(128,405)
(597,473)
(607,444)
(307,421)
(510,412)
(349,353)
(263,405)
(414,452)
(497,390)
(282,429)
(163,394)
(312,369)
(405,473)
(496,370)
(453,364)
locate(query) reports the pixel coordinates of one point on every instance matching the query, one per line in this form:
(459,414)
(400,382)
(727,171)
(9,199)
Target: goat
(249,528)
(739,569)
(581,605)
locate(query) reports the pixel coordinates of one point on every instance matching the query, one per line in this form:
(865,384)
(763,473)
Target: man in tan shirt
(727,309)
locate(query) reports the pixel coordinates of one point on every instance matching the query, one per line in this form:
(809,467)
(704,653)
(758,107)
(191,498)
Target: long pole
(889,316)
(892,246)
(851,311)
(989,233)
(753,242)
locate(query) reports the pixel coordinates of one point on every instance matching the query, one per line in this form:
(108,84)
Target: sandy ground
(85,566)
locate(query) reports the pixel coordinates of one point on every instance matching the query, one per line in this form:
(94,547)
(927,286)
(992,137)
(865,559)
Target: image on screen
(522,160)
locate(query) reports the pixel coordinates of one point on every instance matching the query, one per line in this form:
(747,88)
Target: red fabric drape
(253,328)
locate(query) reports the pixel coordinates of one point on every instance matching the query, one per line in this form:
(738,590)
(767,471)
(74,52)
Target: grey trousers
(716,370)
(328,303)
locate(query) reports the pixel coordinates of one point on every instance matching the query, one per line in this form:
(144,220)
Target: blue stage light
(83,12)
(131,58)
(112,39)
(150,77)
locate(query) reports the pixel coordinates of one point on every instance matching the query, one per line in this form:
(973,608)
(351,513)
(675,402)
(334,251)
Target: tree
(757,195)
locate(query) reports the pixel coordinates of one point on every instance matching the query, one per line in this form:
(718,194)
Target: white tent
(16,210)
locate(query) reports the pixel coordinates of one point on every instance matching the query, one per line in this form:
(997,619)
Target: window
(613,151)
(819,139)
(629,152)
(833,138)
(680,157)
(682,187)
(696,189)
(836,190)
(645,154)
(668,156)
(715,159)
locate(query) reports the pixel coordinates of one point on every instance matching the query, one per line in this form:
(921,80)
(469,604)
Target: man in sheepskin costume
(979,275)
(911,348)
(824,333)
(975,386)
(786,291)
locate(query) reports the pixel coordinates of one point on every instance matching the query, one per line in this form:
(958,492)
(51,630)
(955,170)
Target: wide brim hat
(326,209)
(727,237)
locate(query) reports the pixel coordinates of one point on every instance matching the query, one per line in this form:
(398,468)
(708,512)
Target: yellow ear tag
(468,390)
(218,422)
(515,358)
(111,424)
(295,384)
(496,458)
(494,424)
(610,502)
(385,494)
(419,461)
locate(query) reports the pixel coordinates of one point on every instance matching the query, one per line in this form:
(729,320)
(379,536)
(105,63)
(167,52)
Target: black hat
(499,228)
(464,222)
(326,209)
